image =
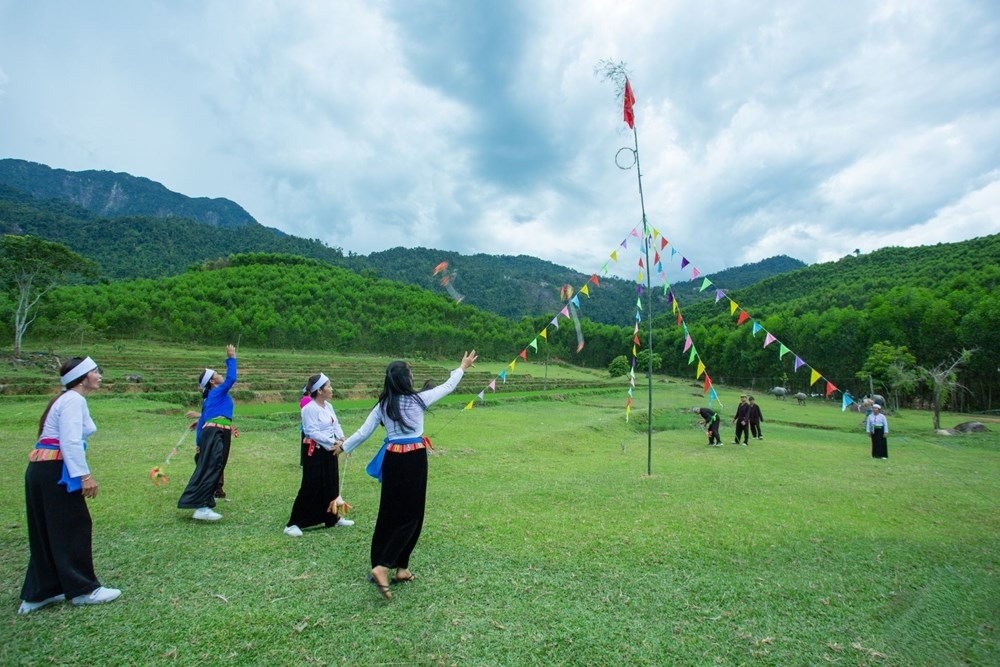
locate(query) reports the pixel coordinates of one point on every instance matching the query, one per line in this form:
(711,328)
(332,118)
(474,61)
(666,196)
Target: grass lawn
(545,542)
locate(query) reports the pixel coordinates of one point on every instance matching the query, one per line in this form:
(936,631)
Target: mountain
(136,228)
(111,194)
(735,278)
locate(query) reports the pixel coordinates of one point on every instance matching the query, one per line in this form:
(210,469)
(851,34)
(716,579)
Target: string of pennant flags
(651,239)
(742,318)
(659,244)
(593,281)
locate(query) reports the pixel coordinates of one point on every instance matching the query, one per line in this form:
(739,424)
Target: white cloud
(783,129)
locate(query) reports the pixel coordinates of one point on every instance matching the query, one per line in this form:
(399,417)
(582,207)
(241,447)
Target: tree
(942,378)
(619,366)
(29,268)
(887,365)
(642,361)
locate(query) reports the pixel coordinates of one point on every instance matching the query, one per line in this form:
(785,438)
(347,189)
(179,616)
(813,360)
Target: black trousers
(401,508)
(741,430)
(755,429)
(320,486)
(213,454)
(59,537)
(713,432)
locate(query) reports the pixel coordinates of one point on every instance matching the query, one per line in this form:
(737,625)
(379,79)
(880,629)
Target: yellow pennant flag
(585,290)
(614,255)
(469,406)
(544,333)
(512,364)
(814,376)
(732,306)
(701,369)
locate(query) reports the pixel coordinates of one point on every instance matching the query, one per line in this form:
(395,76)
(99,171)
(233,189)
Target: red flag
(629,102)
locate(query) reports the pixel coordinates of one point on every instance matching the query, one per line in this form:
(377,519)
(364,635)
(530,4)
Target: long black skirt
(213,453)
(320,486)
(880,447)
(59,537)
(400,509)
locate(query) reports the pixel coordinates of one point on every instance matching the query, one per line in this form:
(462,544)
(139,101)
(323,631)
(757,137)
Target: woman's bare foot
(380,579)
(403,574)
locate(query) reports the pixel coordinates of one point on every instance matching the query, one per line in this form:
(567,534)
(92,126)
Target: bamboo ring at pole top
(618,154)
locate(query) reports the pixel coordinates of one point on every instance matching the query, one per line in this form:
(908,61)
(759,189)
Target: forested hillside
(149,245)
(932,300)
(284,301)
(111,194)
(738,277)
(143,247)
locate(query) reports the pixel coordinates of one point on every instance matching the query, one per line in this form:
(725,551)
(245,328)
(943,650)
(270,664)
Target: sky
(800,128)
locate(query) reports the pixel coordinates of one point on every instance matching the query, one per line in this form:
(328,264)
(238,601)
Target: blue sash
(71,483)
(374,467)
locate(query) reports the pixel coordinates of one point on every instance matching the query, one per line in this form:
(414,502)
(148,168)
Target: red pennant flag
(744,316)
(829,388)
(594,279)
(629,102)
(524,354)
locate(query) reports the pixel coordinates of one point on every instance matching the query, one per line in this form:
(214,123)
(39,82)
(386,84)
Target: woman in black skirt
(316,501)
(878,428)
(403,470)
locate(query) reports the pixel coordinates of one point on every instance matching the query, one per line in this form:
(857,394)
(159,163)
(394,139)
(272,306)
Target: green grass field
(545,543)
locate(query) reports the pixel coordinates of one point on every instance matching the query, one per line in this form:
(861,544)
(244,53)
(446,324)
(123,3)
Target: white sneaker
(100,595)
(206,514)
(28,607)
(344,522)
(293,531)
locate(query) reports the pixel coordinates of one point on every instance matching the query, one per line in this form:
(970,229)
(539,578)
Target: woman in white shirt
(56,484)
(403,470)
(878,427)
(316,501)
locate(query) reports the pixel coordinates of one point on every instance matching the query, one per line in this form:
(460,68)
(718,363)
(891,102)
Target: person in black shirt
(710,418)
(742,421)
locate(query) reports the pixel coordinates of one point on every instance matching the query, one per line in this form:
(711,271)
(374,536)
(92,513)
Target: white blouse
(319,422)
(69,422)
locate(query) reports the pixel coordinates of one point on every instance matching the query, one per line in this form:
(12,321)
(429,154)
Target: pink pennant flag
(688,343)
(695,273)
(493,385)
(565,311)
(769,339)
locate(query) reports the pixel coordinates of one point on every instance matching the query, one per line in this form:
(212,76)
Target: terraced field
(170,374)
